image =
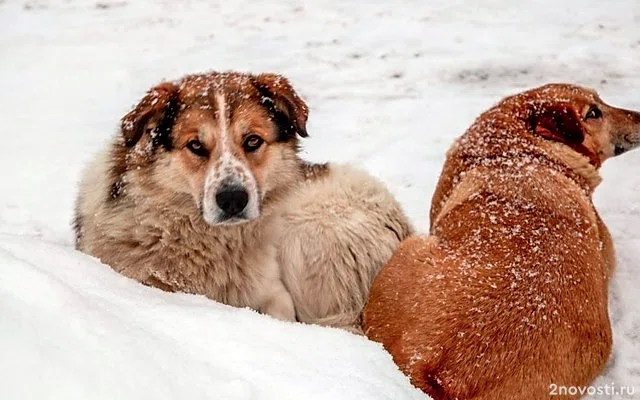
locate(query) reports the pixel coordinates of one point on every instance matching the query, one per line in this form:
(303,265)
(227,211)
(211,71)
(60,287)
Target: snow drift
(71,328)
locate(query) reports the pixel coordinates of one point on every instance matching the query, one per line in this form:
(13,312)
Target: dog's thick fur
(508,294)
(331,250)
(149,205)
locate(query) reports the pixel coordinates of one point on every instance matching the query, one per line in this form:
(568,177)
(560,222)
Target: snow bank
(71,328)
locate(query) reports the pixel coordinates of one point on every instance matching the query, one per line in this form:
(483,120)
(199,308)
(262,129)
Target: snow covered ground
(389,85)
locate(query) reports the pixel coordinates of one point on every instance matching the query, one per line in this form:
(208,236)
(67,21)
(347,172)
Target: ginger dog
(508,294)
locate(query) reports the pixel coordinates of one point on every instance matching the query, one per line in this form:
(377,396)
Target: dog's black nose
(232,200)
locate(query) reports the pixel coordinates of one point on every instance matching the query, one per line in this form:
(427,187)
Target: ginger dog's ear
(561,123)
(153,115)
(288,110)
(558,122)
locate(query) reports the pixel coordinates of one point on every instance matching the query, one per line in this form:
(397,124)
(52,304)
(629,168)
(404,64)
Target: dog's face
(225,139)
(578,118)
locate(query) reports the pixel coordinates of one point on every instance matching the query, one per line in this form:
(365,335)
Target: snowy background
(389,87)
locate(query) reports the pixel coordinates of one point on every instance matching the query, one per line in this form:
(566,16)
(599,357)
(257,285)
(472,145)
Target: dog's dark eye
(593,113)
(252,143)
(197,148)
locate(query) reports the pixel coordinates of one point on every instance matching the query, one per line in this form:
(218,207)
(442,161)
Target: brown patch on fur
(158,283)
(284,105)
(77,225)
(158,104)
(509,293)
(314,170)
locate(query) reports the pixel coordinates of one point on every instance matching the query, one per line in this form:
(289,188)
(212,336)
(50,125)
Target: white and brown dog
(203,192)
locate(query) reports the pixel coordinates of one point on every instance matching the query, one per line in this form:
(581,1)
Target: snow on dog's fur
(189,196)
(508,295)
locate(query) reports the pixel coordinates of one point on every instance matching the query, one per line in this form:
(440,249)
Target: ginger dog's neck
(577,162)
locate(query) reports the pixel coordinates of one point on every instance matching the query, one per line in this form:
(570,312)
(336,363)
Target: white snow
(73,329)
(389,86)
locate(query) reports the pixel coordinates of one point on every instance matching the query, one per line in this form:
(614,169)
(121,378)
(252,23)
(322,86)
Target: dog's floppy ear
(287,109)
(153,114)
(558,122)
(561,123)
